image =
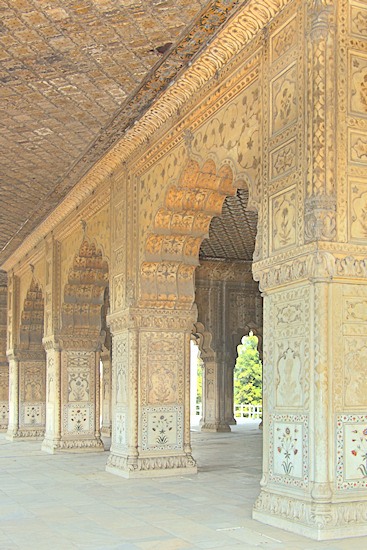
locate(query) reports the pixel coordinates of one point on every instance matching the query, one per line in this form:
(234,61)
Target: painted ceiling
(74,76)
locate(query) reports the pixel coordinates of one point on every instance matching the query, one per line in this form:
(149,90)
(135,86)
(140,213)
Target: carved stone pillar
(106,393)
(27,396)
(315,422)
(27,362)
(151,393)
(73,393)
(213,395)
(4,365)
(228,394)
(229,304)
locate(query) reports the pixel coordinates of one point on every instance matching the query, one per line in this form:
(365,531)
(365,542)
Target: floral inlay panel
(351,451)
(79,418)
(4,413)
(162,428)
(33,414)
(288,449)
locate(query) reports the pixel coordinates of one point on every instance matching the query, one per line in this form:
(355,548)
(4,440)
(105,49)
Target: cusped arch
(84,293)
(32,318)
(245,331)
(180,225)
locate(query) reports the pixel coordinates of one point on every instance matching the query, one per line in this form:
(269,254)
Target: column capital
(152,319)
(82,339)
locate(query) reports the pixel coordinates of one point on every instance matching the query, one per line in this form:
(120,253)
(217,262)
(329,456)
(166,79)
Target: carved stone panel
(162,368)
(358,80)
(284,99)
(32,381)
(120,429)
(78,376)
(358,20)
(289,374)
(283,220)
(284,159)
(358,211)
(357,147)
(284,39)
(119,367)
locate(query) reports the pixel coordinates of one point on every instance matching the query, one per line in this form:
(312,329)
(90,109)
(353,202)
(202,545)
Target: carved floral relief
(284,99)
(283,220)
(355,371)
(358,147)
(358,88)
(358,211)
(358,20)
(235,128)
(289,391)
(284,39)
(284,159)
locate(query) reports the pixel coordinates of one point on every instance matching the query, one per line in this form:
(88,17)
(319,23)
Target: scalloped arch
(83,297)
(180,225)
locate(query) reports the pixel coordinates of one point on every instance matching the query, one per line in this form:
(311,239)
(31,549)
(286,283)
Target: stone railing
(241,411)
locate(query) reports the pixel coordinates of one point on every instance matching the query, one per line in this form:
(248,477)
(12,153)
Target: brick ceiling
(74,76)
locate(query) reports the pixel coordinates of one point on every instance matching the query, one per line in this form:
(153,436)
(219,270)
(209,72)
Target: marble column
(151,393)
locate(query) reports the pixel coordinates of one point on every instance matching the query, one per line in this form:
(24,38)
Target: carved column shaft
(151,398)
(106,393)
(73,394)
(13,395)
(4,365)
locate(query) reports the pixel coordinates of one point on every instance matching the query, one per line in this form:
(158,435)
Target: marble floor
(68,501)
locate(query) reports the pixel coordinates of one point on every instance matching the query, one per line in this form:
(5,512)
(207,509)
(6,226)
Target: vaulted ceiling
(232,235)
(74,76)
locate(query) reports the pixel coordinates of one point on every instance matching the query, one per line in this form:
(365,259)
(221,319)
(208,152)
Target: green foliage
(248,372)
(199,392)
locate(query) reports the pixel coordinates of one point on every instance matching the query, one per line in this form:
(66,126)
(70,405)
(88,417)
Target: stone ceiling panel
(74,75)
(232,235)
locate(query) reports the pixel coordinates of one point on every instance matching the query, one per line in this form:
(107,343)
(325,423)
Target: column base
(215,427)
(106,431)
(318,521)
(72,445)
(24,434)
(157,466)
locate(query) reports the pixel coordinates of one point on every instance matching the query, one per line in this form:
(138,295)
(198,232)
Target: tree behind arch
(248,372)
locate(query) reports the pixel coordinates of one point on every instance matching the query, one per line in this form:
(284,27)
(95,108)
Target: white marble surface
(68,501)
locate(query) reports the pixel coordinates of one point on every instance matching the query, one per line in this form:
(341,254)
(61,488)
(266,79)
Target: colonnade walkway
(67,501)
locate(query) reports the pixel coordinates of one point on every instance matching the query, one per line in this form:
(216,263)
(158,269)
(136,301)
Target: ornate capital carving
(320,218)
(320,264)
(152,318)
